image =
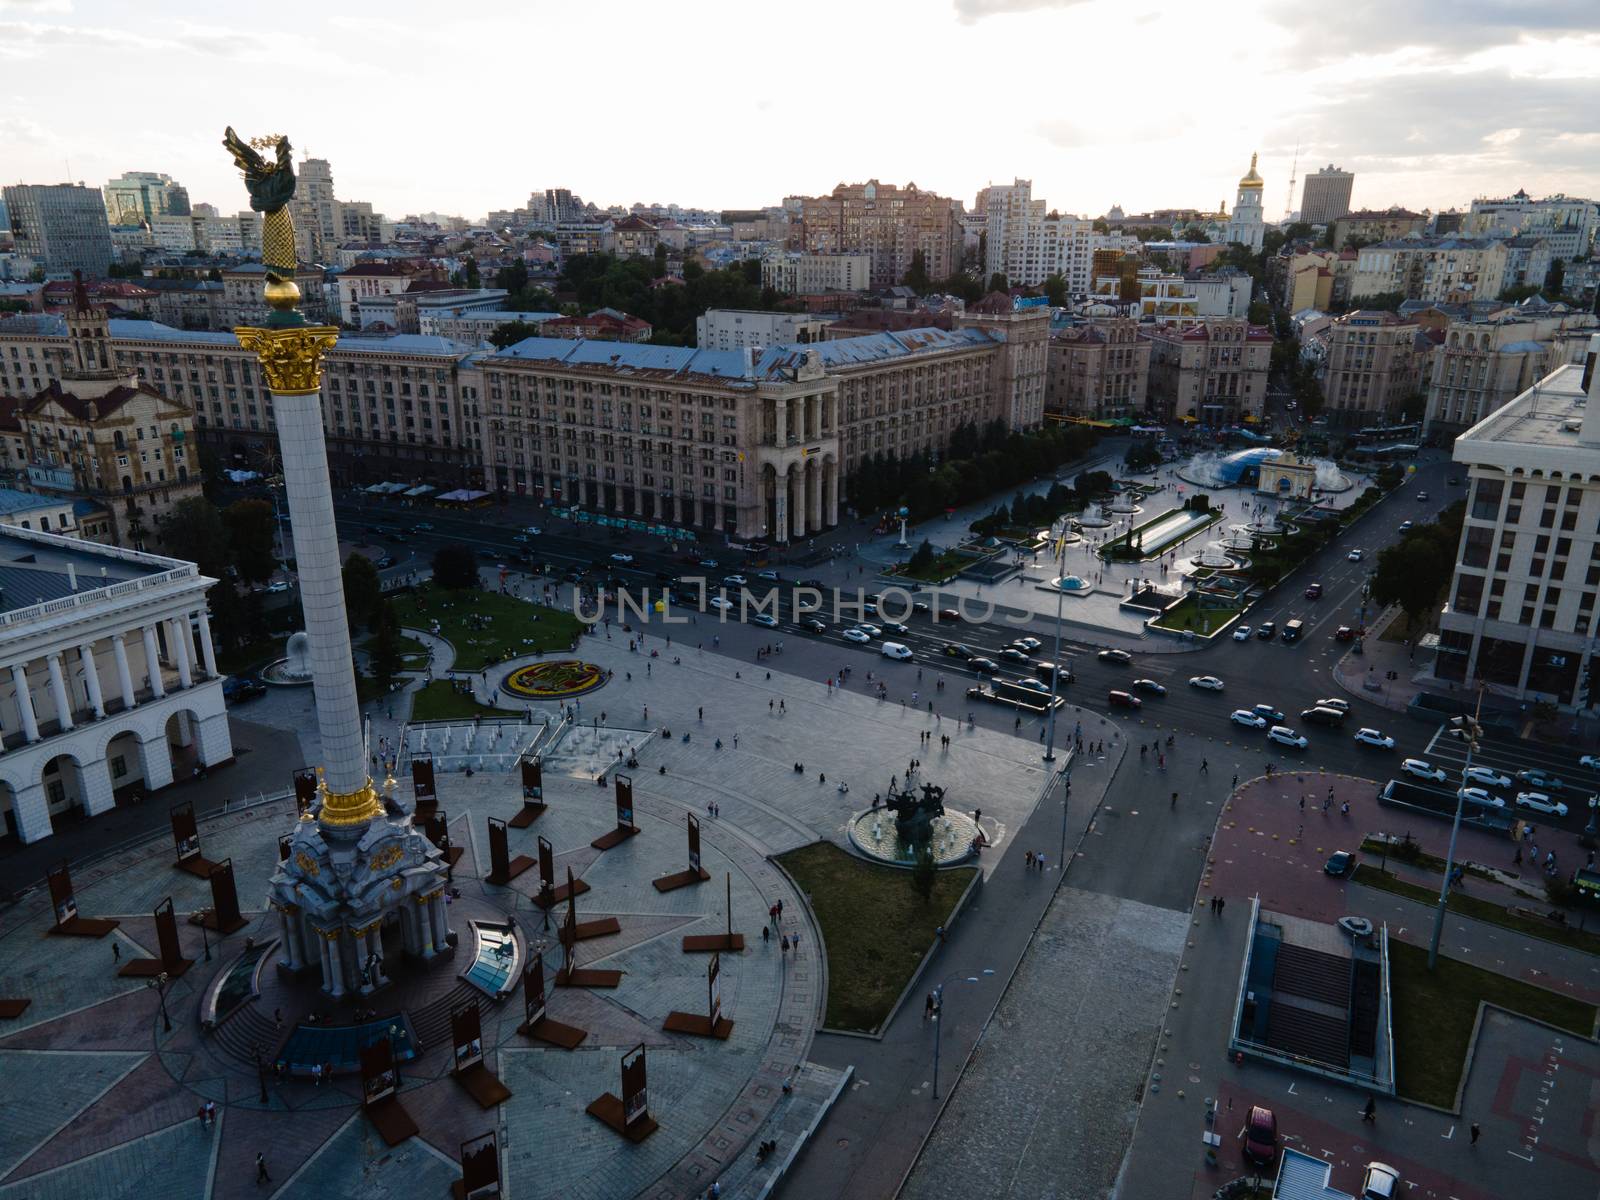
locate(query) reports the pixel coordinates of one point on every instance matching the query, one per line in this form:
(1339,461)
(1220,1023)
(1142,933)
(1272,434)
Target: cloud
(36,6)
(28,39)
(1446,27)
(970,11)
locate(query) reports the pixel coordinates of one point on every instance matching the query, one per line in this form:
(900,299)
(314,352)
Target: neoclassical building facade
(108,678)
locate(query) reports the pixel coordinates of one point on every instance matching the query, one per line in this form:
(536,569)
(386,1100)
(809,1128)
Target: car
(1031,644)
(386,562)
(814,584)
(1486,776)
(278,586)
(1353,556)
(422,527)
(770,576)
(488,553)
(1285,736)
(957,650)
(765,620)
(377,529)
(1404,525)
(1374,738)
(1266,631)
(1453,481)
(949,614)
(869,629)
(896,650)
(734,580)
(1033,685)
(896,627)
(1250,720)
(1151,686)
(1591,761)
(1317,715)
(1012,654)
(532,530)
(856,635)
(1115,656)
(519,537)
(1313,591)
(870,608)
(1208,683)
(1048,670)
(1339,864)
(721,602)
(621,557)
(398,537)
(1541,779)
(812,625)
(921,606)
(1344,634)
(705,564)
(1334,702)
(1358,928)
(1267,711)
(1241,633)
(1380,1182)
(1540,802)
(1423,770)
(1422,497)
(1476,795)
(1119,699)
(239,688)
(986,665)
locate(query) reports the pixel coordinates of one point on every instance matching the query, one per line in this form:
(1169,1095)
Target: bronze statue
(271,187)
(914,816)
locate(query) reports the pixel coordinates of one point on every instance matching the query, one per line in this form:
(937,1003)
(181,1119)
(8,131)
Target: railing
(127,587)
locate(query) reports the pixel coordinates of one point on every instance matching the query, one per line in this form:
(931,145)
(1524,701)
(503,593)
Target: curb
(816,932)
(804,1139)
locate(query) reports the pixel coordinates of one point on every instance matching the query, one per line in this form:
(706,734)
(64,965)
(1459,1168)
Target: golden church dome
(1251,180)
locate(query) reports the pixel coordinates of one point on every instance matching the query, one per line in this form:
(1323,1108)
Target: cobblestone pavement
(109,1099)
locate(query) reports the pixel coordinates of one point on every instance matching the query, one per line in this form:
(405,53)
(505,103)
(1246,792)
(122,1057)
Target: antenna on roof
(1288,210)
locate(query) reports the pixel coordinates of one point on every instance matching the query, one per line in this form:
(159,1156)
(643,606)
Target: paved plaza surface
(106,1100)
(1531,1089)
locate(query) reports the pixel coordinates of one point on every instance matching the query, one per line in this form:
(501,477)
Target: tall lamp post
(1472,731)
(1055,675)
(160,984)
(938,1011)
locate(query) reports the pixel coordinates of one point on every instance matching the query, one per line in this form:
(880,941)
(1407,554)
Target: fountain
(1240,468)
(294,668)
(907,824)
(1072,585)
(1096,519)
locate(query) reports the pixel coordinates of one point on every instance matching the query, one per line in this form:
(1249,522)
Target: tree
(925,873)
(194,531)
(455,567)
(470,272)
(363,591)
(922,558)
(513,276)
(1554,278)
(1194,233)
(1416,570)
(999,283)
(251,526)
(661,259)
(384,651)
(1142,456)
(1055,290)
(917,273)
(511,333)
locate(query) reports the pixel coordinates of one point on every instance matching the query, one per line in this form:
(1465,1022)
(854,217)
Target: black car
(1012,654)
(987,665)
(386,562)
(812,625)
(1340,865)
(813,583)
(1541,780)
(1266,631)
(239,688)
(957,650)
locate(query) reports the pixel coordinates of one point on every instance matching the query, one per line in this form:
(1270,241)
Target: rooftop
(1548,415)
(13,501)
(34,567)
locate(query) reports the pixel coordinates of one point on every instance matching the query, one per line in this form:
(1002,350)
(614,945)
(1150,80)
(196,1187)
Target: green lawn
(438,701)
(874,924)
(1483,910)
(486,627)
(1434,1013)
(1188,614)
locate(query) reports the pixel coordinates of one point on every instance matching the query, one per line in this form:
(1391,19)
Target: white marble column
(833,493)
(208,652)
(291,958)
(91,679)
(814,495)
(408,930)
(424,927)
(797,504)
(436,916)
(58,691)
(780,509)
(780,420)
(178,641)
(327,958)
(336,964)
(304,455)
(94,781)
(152,662)
(124,676)
(31,811)
(30,719)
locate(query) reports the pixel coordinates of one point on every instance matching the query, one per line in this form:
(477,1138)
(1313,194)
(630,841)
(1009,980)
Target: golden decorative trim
(388,856)
(350,808)
(291,359)
(307,864)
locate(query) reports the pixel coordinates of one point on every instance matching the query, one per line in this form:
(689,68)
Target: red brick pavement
(287,1138)
(120,1023)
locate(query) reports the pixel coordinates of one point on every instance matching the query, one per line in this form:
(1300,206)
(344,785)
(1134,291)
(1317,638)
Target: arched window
(116,440)
(127,483)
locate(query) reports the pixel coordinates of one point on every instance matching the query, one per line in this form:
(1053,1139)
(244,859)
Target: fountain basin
(873,833)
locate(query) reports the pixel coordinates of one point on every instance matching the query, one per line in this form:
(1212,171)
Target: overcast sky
(735,103)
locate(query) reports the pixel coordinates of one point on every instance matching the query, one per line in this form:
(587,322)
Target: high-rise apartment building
(1374,366)
(893,225)
(1028,245)
(61,226)
(1325,195)
(1566,222)
(1213,371)
(317,225)
(137,196)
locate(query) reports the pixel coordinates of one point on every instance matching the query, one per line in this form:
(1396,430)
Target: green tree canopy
(1415,571)
(194,531)
(251,526)
(1055,290)
(455,567)
(363,590)
(384,651)
(999,283)
(917,274)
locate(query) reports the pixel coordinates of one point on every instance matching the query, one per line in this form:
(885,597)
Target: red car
(1344,633)
(1260,1137)
(949,614)
(1314,591)
(1123,700)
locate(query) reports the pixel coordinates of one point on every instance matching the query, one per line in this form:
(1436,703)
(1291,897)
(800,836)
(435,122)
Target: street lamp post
(205,940)
(394,1053)
(1472,730)
(938,1011)
(1055,675)
(160,984)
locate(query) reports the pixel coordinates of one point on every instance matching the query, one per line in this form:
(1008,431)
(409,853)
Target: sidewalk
(1367,674)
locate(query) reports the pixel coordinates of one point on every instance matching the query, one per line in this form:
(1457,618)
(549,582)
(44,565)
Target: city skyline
(1426,108)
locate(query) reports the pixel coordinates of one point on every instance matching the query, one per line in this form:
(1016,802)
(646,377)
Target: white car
(735,580)
(766,620)
(1486,777)
(856,635)
(1241,633)
(1285,736)
(622,558)
(1208,683)
(1540,802)
(1404,525)
(1590,760)
(869,629)
(1423,770)
(1353,556)
(1371,737)
(1250,720)
(279,586)
(1476,795)
(519,537)
(721,602)
(532,530)
(1031,644)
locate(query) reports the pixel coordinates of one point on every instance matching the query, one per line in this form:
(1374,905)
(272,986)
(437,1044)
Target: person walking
(927,1007)
(116,952)
(1205,767)
(1370,1111)
(261,1169)
(1475,1131)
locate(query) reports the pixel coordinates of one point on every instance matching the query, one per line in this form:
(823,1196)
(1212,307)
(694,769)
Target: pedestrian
(211,1113)
(200,1115)
(1369,1112)
(927,1007)
(261,1169)
(785,944)
(1221,901)
(1475,1131)
(116,952)
(1302,802)
(702,712)
(1040,859)
(1235,785)
(1028,860)
(766,935)
(316,1075)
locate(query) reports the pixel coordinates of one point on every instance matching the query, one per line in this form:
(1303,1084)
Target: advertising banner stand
(572,975)
(549,895)
(65,906)
(628,1114)
(172,962)
(437,827)
(536,1024)
(730,942)
(695,873)
(186,837)
(582,931)
(480,1170)
(713,1024)
(224,916)
(380,1093)
(625,827)
(502,871)
(422,787)
(533,804)
(467,1065)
